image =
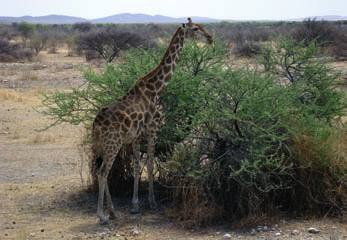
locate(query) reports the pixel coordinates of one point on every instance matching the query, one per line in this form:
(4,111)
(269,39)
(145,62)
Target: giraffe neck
(159,77)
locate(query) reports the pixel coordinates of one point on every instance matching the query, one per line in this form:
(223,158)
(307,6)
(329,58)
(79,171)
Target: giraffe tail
(96,150)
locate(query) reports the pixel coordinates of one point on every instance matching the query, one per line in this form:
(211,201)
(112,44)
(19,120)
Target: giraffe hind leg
(151,198)
(102,184)
(109,203)
(103,171)
(135,201)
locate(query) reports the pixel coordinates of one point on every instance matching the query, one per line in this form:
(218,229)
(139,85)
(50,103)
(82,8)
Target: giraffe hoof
(153,207)
(103,222)
(135,211)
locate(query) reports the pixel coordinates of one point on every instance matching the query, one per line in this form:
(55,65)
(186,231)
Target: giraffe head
(193,29)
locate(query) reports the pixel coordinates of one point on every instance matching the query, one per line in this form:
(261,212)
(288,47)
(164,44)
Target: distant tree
(312,30)
(108,43)
(10,52)
(7,32)
(39,41)
(6,47)
(83,27)
(26,30)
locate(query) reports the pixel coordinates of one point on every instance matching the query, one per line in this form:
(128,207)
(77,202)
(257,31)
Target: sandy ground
(43,175)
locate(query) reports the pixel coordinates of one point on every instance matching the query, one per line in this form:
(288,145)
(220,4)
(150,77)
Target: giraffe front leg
(109,203)
(135,201)
(151,198)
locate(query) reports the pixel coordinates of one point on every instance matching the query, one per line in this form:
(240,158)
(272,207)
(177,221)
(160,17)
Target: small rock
(33,174)
(42,230)
(278,234)
(134,232)
(227,236)
(265,229)
(295,232)
(254,232)
(32,234)
(313,230)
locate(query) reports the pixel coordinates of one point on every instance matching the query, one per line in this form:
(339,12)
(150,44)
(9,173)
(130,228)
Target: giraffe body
(134,116)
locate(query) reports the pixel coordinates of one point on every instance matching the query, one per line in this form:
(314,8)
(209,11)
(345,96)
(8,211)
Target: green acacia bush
(236,143)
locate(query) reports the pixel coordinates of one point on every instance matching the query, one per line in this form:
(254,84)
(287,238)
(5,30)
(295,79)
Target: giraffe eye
(195,29)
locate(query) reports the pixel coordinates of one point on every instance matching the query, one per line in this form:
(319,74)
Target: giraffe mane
(167,52)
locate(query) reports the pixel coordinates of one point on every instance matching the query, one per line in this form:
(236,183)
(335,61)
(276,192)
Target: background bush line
(23,41)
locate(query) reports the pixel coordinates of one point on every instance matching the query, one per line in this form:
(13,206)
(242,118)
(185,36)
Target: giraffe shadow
(84,204)
(81,201)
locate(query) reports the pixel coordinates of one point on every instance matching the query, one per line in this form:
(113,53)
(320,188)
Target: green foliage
(310,74)
(243,154)
(182,100)
(80,105)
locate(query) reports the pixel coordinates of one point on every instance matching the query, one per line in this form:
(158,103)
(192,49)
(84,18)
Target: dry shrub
(193,205)
(318,187)
(339,47)
(6,58)
(202,192)
(324,34)
(247,49)
(311,30)
(185,174)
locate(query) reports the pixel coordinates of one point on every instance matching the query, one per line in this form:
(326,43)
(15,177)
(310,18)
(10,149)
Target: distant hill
(49,19)
(145,18)
(131,18)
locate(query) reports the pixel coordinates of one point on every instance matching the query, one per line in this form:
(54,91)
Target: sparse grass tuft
(10,95)
(41,138)
(30,76)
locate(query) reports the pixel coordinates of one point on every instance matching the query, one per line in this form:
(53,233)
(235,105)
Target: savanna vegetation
(238,142)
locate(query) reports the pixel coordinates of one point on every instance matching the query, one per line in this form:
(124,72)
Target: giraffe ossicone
(135,116)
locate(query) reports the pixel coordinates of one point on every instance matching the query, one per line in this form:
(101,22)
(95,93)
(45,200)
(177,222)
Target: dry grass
(32,76)
(10,95)
(41,138)
(24,99)
(193,211)
(322,169)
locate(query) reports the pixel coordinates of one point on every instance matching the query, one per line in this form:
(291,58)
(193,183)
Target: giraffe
(134,116)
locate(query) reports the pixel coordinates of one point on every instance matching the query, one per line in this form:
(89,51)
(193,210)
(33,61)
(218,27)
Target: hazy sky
(221,9)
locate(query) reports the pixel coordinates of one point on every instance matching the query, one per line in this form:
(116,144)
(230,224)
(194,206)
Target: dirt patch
(43,176)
